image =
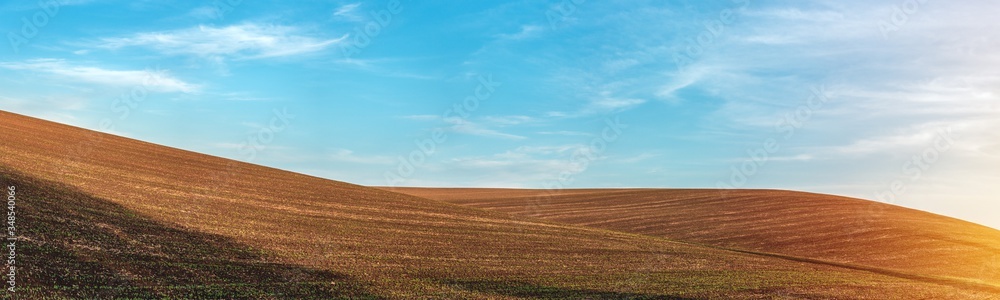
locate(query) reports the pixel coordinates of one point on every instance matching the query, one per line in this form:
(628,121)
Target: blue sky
(894,101)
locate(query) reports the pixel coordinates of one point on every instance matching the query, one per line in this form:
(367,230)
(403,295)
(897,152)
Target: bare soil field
(807,225)
(103,216)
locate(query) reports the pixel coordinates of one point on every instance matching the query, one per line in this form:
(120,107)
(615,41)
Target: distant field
(105,216)
(837,229)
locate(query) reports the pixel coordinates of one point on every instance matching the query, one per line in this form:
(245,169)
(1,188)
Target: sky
(894,101)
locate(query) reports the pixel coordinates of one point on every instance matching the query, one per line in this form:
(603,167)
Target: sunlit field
(127,218)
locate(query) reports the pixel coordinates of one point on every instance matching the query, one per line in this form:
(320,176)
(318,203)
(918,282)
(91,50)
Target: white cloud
(241,96)
(798,157)
(770,39)
(526,166)
(243,146)
(680,80)
(889,144)
(36,6)
(344,155)
(348,12)
(479,127)
(528,161)
(565,132)
(636,158)
(614,104)
(61,109)
(508,120)
(244,41)
(559,149)
(527,31)
(468,127)
(603,103)
(45,102)
(795,14)
(154,80)
(422,117)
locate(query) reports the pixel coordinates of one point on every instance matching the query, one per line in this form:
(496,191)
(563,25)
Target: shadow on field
(529,290)
(73,245)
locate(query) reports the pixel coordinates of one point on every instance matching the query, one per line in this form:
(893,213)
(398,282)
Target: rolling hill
(103,216)
(807,225)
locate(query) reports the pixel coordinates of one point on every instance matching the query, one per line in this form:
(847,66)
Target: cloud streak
(154,80)
(348,156)
(348,12)
(471,128)
(244,41)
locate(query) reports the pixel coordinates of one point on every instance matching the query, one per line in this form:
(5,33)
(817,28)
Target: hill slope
(79,246)
(800,224)
(102,207)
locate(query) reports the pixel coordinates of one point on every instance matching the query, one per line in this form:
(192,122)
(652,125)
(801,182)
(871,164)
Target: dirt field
(105,216)
(832,228)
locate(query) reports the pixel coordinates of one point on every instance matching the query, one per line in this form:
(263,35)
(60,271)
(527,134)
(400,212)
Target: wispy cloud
(611,104)
(896,143)
(239,146)
(797,14)
(422,117)
(387,67)
(636,158)
(345,155)
(155,80)
(481,126)
(603,103)
(540,160)
(241,96)
(468,127)
(524,166)
(348,12)
(678,81)
(29,5)
(244,41)
(508,120)
(526,31)
(566,133)
(62,109)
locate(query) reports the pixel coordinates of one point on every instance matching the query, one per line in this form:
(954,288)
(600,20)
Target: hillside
(106,216)
(826,227)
